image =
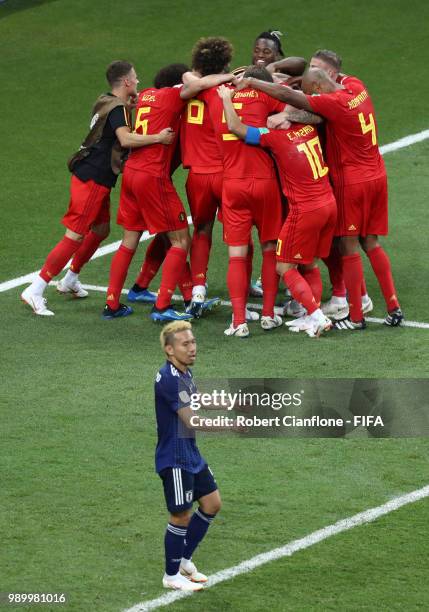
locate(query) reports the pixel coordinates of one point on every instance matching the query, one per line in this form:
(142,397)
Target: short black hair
(330,57)
(258,72)
(117,70)
(170,75)
(211,55)
(274,36)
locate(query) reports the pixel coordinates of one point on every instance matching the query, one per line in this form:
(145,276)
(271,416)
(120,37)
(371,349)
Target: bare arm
(192,85)
(297,115)
(294,66)
(234,123)
(131,140)
(280,92)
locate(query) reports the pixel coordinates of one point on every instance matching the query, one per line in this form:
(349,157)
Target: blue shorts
(182,488)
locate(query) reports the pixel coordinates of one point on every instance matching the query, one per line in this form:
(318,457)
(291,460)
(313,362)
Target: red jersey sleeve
(326,105)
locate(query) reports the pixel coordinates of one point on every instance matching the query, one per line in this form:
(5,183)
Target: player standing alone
(184,472)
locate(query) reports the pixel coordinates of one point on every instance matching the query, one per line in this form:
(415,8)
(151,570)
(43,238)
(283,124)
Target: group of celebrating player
(253,142)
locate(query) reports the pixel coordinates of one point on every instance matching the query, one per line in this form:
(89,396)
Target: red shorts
(149,203)
(89,205)
(204,193)
(247,202)
(362,208)
(307,235)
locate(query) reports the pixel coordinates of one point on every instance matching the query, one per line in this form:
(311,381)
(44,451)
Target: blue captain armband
(253,135)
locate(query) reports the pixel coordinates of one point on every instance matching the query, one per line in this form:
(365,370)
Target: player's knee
(180,518)
(369,242)
(102,230)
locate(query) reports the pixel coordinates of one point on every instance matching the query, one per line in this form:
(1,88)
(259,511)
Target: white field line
(407,141)
(416,324)
(104,250)
(367,516)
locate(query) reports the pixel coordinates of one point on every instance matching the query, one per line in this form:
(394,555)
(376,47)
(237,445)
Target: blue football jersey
(176,443)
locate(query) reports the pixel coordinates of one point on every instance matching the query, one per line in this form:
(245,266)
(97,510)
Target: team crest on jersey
(189,496)
(158,377)
(182,216)
(184,397)
(94,120)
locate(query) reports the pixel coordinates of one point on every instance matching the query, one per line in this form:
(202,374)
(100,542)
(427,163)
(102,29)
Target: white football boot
(241,331)
(251,315)
(295,309)
(313,325)
(74,288)
(180,583)
(336,308)
(189,570)
(268,323)
(367,305)
(37,302)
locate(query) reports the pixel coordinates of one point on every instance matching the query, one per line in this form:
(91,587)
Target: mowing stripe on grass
(415,324)
(407,141)
(367,516)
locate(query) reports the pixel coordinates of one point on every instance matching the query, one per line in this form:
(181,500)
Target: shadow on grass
(8,7)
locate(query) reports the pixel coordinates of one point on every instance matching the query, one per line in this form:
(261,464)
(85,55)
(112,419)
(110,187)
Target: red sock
(155,255)
(381,265)
(58,258)
(300,290)
(185,283)
(90,244)
(249,262)
(353,276)
(314,279)
(270,282)
(118,273)
(335,267)
(172,272)
(363,290)
(238,287)
(200,253)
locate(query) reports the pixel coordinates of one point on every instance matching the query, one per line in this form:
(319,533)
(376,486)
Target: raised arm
(192,84)
(235,125)
(280,92)
(294,66)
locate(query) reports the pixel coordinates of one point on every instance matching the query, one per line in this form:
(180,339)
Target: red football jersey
(156,109)
(253,107)
(299,158)
(351,135)
(350,82)
(199,145)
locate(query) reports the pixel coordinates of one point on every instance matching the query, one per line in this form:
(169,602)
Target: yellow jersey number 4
(315,157)
(368,127)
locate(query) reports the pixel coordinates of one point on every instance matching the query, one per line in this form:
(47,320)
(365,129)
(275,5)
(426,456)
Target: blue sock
(197,529)
(174,543)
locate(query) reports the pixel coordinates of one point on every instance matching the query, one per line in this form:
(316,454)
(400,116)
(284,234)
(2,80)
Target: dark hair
(330,57)
(258,72)
(117,70)
(170,75)
(274,36)
(211,55)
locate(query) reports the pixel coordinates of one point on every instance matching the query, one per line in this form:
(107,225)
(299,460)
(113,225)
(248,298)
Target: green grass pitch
(81,508)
